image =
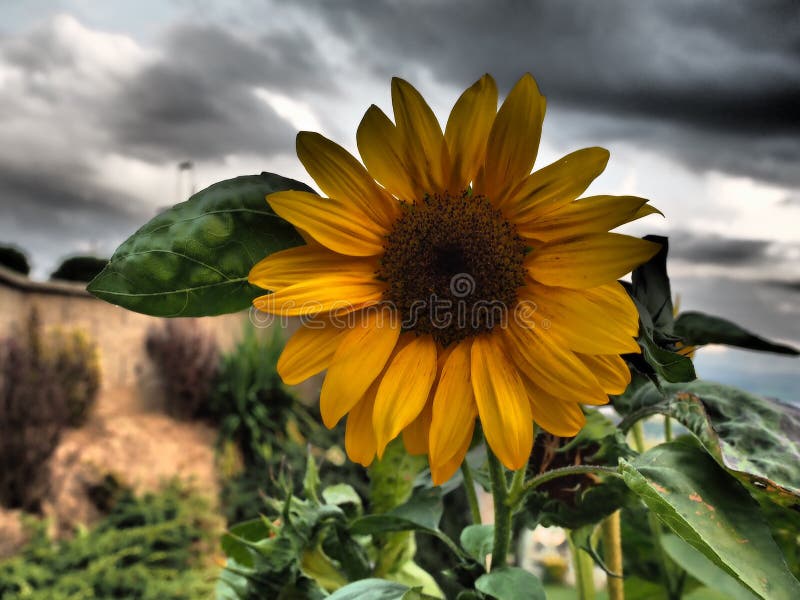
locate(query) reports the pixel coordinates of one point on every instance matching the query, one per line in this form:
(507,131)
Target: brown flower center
(453,265)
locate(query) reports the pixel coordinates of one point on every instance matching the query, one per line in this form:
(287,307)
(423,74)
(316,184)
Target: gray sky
(699,103)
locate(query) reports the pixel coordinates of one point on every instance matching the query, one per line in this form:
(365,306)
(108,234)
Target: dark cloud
(724,71)
(77,98)
(716,250)
(198,100)
(51,214)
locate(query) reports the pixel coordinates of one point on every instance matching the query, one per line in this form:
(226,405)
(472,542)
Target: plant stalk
(584,576)
(612,550)
(472,497)
(667,428)
(502,511)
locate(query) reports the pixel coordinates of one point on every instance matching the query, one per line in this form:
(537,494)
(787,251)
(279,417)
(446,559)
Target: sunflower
(449,283)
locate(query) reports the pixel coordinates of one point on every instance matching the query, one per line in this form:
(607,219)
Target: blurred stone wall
(128,384)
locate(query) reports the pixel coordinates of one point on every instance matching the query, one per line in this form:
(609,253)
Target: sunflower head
(472,288)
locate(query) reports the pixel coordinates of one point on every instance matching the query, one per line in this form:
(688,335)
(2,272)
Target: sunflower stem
(515,489)
(502,511)
(667,429)
(562,472)
(612,549)
(472,497)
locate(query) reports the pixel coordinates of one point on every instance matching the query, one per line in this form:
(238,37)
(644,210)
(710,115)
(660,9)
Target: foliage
(13,258)
(249,402)
(47,383)
(193,259)
(79,268)
(724,490)
(75,364)
(577,500)
(146,548)
(186,360)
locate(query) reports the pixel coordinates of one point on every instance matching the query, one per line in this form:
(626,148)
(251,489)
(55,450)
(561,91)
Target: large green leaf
(193,259)
(697,328)
(511,583)
(702,569)
(757,439)
(712,512)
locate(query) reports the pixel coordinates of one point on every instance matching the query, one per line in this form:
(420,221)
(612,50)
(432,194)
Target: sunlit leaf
(713,513)
(702,569)
(757,439)
(193,259)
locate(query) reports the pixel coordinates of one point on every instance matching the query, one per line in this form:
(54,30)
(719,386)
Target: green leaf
(756,439)
(371,589)
(235,541)
(345,497)
(311,480)
(698,329)
(477,541)
(511,583)
(650,285)
(193,259)
(702,569)
(712,512)
(667,364)
(422,512)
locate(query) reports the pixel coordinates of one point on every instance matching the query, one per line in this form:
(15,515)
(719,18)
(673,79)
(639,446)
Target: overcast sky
(698,102)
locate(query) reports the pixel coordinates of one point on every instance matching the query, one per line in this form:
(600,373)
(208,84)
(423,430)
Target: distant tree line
(74,268)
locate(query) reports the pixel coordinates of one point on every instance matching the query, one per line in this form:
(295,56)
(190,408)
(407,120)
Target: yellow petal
(359,359)
(415,435)
(601,320)
(338,224)
(359,437)
(610,370)
(340,293)
(589,260)
(382,151)
(594,214)
(545,359)
(309,351)
(425,150)
(467,130)
(442,473)
(553,414)
(454,407)
(341,176)
(514,138)
(502,402)
(296,265)
(555,185)
(404,389)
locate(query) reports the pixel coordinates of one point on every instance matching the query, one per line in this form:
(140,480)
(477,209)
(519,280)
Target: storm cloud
(715,84)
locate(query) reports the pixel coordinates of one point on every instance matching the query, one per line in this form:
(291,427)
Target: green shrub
(272,429)
(250,404)
(146,548)
(14,259)
(186,359)
(75,365)
(79,268)
(47,383)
